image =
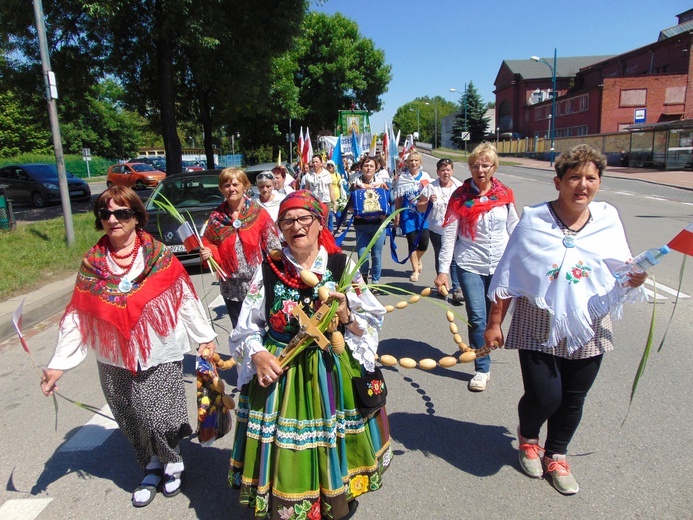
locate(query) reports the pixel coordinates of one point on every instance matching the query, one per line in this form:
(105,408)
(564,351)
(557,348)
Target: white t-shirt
(440,206)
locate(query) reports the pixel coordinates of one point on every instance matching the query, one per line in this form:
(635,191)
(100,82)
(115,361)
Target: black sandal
(172,478)
(150,482)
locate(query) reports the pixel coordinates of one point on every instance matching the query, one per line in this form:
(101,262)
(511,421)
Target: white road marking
(23,509)
(92,434)
(651,295)
(217,302)
(629,194)
(663,288)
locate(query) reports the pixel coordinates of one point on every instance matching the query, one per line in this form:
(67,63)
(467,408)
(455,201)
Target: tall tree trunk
(167,94)
(206,119)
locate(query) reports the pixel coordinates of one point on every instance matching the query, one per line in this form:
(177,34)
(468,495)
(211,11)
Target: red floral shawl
(118,322)
(256,228)
(466,205)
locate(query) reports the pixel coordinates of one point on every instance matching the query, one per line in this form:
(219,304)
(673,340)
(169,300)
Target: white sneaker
(478,382)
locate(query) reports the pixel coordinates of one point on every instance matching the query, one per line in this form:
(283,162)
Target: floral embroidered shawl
(574,284)
(118,323)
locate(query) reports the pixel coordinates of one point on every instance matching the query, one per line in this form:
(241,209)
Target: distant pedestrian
(239,234)
(558,269)
(268,197)
(319,182)
(136,307)
(405,192)
(438,194)
(480,217)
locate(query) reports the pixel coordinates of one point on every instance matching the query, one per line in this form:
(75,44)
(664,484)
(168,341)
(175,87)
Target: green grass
(460,156)
(37,253)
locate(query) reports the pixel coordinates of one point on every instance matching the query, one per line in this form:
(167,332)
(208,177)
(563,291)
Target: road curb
(38,305)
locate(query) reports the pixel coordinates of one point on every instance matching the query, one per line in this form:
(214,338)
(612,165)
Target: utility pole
(51,96)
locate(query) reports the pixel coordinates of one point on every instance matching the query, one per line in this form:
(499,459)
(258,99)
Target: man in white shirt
(319,181)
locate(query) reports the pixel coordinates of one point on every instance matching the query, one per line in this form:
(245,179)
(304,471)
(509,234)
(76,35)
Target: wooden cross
(308,329)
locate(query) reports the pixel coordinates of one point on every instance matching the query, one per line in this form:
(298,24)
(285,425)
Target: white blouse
(246,338)
(481,255)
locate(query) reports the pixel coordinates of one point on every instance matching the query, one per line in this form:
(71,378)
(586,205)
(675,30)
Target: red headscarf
(304,199)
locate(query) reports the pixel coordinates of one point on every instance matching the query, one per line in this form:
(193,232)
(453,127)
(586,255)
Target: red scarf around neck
(466,205)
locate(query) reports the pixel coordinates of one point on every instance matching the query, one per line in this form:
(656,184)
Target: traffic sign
(640,115)
(466,136)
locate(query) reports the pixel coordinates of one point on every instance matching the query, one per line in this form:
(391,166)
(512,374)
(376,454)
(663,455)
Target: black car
(194,195)
(38,183)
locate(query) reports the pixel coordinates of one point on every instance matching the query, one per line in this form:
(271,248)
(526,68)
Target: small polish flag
(188,237)
(683,242)
(17,322)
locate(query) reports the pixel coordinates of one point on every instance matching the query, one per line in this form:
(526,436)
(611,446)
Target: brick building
(600,94)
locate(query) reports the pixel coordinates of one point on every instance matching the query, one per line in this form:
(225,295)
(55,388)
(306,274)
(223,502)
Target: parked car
(194,195)
(38,183)
(134,175)
(191,166)
(158,162)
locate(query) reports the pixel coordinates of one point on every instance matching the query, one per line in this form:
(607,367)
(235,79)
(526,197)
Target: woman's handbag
(370,393)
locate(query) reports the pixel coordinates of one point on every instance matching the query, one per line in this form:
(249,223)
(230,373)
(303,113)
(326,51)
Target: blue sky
(435,45)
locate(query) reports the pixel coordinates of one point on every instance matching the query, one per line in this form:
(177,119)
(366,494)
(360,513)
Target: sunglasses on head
(120,214)
(443,162)
(265,176)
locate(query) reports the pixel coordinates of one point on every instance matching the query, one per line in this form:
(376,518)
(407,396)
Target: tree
(336,68)
(476,123)
(425,110)
(19,131)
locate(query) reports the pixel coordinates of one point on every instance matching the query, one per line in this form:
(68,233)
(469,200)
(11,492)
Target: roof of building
(675,30)
(566,66)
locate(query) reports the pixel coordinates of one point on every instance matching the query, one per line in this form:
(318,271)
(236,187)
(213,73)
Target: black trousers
(234,309)
(555,391)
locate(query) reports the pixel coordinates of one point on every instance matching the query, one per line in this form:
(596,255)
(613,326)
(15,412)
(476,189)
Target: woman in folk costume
(302,447)
(135,305)
(238,234)
(406,192)
(480,217)
(557,269)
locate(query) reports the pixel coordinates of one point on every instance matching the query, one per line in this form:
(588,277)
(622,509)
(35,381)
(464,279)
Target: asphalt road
(455,451)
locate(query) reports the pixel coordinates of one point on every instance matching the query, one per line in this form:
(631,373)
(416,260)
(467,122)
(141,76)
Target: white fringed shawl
(574,284)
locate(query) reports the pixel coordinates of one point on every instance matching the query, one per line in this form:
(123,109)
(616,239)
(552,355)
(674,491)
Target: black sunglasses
(120,214)
(264,176)
(443,162)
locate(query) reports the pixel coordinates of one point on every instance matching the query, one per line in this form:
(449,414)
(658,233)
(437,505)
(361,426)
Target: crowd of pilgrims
(307,442)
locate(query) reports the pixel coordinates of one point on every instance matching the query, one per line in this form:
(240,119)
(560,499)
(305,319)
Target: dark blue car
(38,184)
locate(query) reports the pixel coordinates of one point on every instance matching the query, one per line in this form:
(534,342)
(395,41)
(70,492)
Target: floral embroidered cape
(575,284)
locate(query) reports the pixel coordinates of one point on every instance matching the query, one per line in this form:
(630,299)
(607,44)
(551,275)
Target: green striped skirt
(302,449)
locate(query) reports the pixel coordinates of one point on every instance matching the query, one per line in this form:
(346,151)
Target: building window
(583,103)
(634,97)
(675,95)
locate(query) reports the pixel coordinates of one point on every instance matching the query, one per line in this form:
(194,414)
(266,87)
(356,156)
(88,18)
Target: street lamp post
(464,97)
(552,119)
(418,119)
(435,122)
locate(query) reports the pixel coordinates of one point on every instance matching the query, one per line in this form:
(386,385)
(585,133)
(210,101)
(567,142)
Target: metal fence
(670,149)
